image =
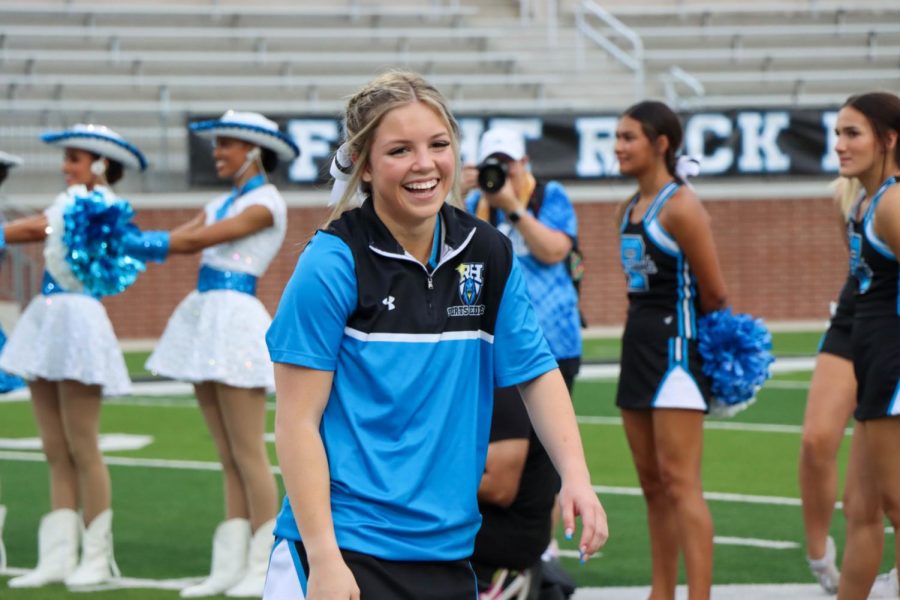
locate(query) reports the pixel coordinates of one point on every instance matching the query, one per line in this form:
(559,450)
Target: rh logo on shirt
(471,280)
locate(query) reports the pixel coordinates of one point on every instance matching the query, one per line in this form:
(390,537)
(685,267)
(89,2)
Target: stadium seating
(739,53)
(143,67)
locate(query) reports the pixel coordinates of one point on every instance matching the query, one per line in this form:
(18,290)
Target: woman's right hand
(331,580)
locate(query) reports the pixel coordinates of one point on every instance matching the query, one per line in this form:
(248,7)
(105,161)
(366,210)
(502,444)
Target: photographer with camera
(540,221)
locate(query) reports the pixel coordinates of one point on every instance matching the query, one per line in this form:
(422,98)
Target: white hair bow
(687,167)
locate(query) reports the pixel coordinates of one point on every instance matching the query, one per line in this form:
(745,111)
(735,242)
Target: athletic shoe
(886,585)
(824,569)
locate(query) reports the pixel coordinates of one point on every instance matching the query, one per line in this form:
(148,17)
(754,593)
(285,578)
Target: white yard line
(755,543)
(714,496)
(711,424)
(590,372)
(124,582)
(708,424)
(790,591)
(199,465)
(122,461)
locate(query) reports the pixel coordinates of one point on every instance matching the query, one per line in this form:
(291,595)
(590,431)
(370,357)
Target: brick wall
(782,259)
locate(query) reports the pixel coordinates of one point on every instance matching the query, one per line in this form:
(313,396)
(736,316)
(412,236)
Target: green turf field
(164,517)
(788,343)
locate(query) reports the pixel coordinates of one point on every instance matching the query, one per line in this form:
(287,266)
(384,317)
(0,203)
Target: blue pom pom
(736,352)
(93,234)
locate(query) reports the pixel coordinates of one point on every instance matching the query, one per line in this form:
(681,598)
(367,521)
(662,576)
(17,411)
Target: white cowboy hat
(250,127)
(9,160)
(99,140)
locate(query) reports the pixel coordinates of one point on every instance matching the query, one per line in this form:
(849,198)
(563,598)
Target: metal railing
(672,78)
(633,60)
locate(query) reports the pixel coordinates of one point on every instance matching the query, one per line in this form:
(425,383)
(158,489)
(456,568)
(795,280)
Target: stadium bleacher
(143,67)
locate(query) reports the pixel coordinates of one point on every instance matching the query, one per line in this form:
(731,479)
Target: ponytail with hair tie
(686,167)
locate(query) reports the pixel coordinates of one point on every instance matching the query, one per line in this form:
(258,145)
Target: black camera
(492,174)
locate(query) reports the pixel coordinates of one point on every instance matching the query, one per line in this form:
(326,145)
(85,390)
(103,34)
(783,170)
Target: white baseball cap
(501,140)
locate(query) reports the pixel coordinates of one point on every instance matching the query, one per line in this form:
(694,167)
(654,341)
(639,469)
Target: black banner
(728,143)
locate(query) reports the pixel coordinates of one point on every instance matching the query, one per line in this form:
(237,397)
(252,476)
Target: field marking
(784,591)
(711,424)
(109,442)
(200,465)
(122,461)
(721,540)
(715,496)
(123,583)
(754,543)
(590,372)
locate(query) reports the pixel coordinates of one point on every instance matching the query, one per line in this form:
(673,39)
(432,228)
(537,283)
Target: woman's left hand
(580,500)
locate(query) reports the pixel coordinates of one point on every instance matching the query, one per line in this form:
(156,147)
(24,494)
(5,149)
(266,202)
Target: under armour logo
(668,320)
(389,302)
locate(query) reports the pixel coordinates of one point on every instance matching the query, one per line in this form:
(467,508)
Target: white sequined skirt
(67,336)
(216,336)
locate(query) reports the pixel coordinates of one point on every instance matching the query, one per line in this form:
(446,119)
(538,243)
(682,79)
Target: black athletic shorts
(377,579)
(876,362)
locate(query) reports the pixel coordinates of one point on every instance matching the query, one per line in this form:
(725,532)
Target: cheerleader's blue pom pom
(94,230)
(736,352)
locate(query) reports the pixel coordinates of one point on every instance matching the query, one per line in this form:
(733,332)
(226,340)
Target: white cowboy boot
(251,586)
(229,559)
(57,550)
(98,565)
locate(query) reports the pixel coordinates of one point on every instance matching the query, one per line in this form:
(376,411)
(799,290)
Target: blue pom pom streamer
(94,234)
(736,352)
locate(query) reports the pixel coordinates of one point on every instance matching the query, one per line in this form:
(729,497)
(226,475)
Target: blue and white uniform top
(217,333)
(549,285)
(873,264)
(658,276)
(416,352)
(251,254)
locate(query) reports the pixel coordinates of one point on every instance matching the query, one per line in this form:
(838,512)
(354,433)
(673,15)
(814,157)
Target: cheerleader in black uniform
(868,128)
(673,275)
(829,406)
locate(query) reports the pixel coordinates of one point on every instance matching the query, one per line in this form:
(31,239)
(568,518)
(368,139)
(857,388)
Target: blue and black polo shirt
(416,352)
